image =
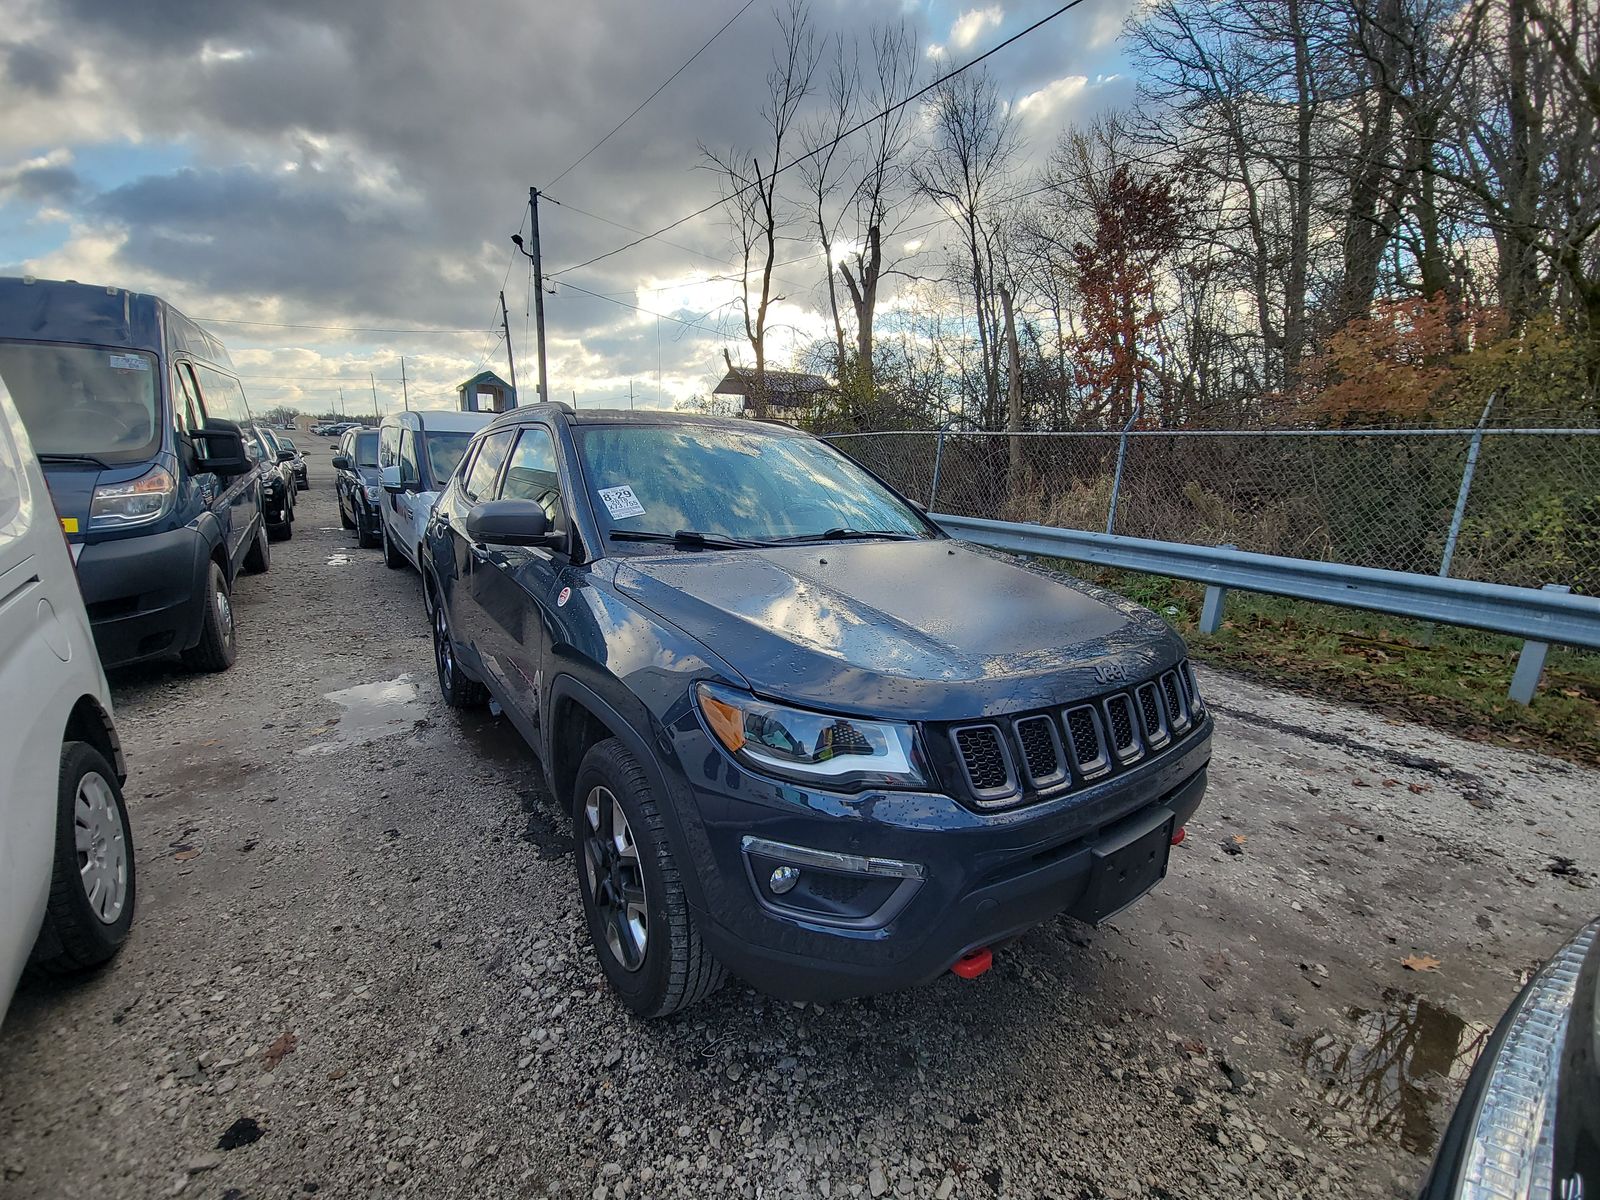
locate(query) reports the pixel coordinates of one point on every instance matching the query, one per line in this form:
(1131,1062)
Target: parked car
(417,453)
(804,735)
(138,418)
(1528,1121)
(297,462)
(357,485)
(277,484)
(67,887)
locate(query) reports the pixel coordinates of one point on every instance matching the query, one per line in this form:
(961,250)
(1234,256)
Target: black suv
(804,735)
(277,483)
(357,484)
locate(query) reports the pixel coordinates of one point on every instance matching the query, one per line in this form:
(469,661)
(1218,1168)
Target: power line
(647,312)
(335,328)
(917,95)
(650,97)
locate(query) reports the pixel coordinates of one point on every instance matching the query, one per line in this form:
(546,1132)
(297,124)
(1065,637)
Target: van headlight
(118,505)
(841,753)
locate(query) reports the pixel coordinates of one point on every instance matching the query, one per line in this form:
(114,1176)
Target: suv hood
(931,630)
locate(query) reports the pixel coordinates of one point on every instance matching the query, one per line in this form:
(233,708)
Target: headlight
(843,753)
(372,490)
(118,505)
(1510,1152)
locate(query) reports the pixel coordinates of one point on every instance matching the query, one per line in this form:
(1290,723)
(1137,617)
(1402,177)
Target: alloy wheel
(444,658)
(616,877)
(102,848)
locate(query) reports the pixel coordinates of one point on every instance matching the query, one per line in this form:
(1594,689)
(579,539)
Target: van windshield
(444,453)
(83,400)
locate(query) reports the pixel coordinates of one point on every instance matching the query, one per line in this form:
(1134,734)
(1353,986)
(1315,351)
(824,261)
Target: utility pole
(533,256)
(405,391)
(341,397)
(377,409)
(505,324)
(630,395)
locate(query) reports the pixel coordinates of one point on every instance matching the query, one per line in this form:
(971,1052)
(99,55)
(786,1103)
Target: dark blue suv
(804,735)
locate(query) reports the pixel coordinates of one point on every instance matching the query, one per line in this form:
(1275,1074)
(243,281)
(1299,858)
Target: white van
(66,852)
(417,454)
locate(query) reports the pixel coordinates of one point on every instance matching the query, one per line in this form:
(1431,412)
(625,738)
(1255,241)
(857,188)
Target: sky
(363,165)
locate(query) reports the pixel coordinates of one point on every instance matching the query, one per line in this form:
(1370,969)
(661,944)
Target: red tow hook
(1179,834)
(973,963)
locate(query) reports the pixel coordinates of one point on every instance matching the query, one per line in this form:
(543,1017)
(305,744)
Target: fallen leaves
(187,853)
(279,1050)
(1420,962)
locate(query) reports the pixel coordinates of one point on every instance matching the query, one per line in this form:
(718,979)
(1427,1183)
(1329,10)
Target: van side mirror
(341,462)
(390,478)
(513,523)
(219,447)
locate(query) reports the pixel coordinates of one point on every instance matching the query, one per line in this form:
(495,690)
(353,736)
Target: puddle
(371,711)
(1395,1076)
(338,559)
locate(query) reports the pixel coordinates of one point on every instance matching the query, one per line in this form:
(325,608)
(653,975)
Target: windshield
(444,452)
(80,400)
(367,449)
(288,444)
(730,483)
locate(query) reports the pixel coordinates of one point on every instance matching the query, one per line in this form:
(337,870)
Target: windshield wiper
(685,538)
(73,458)
(842,534)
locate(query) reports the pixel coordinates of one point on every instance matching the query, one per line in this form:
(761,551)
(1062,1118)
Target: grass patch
(1438,675)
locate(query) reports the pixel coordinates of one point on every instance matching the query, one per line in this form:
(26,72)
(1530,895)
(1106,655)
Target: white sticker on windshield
(621,502)
(130,362)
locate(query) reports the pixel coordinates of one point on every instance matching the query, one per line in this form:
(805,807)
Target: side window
(534,475)
(187,413)
(486,466)
(389,446)
(12,482)
(223,397)
(408,457)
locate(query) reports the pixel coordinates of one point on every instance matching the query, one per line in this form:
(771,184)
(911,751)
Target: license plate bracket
(1126,862)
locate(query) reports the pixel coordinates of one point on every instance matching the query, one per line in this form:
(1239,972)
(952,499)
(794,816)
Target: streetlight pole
(534,257)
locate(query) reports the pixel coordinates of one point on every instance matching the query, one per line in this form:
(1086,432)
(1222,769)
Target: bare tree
(750,194)
(825,169)
(964,170)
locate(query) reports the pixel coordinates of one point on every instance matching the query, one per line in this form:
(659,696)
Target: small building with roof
(486,392)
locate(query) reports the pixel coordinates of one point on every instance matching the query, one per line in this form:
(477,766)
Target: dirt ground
(358,966)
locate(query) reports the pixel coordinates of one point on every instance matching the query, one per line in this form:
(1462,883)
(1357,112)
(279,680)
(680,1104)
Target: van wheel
(91,880)
(215,651)
(458,691)
(633,899)
(392,558)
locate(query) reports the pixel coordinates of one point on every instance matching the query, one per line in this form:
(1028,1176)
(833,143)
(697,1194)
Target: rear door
(406,531)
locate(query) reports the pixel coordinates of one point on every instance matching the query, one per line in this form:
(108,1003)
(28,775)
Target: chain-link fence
(1516,506)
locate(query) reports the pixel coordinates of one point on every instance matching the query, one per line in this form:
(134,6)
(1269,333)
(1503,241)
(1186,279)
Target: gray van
(135,413)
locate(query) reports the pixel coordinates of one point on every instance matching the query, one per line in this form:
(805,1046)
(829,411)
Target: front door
(481,482)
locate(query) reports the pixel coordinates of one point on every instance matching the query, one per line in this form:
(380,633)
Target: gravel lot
(359,967)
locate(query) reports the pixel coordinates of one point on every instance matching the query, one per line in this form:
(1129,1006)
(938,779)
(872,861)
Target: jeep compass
(805,736)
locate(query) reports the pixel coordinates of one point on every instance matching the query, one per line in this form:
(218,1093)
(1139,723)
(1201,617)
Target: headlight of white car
(118,505)
(830,751)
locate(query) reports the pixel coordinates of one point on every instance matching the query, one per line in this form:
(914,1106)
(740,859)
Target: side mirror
(219,449)
(390,478)
(285,455)
(512,523)
(341,462)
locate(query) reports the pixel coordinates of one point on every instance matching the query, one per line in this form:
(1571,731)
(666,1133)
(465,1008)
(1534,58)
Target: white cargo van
(417,454)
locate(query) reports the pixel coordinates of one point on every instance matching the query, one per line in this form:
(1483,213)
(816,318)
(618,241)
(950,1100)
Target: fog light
(783,879)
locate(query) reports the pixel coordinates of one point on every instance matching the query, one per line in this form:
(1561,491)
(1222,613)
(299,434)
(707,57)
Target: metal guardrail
(1542,616)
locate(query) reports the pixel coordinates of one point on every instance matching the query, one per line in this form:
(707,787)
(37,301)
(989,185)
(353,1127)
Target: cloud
(970,25)
(46,180)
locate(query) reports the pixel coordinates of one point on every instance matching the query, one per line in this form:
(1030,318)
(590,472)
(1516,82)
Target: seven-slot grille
(1043,752)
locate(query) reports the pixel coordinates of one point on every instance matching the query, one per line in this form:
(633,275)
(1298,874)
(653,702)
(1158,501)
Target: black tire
(215,650)
(675,969)
(282,531)
(392,558)
(76,934)
(258,561)
(344,517)
(458,690)
(366,538)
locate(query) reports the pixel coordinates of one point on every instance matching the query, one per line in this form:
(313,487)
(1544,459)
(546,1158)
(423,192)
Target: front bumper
(145,595)
(980,877)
